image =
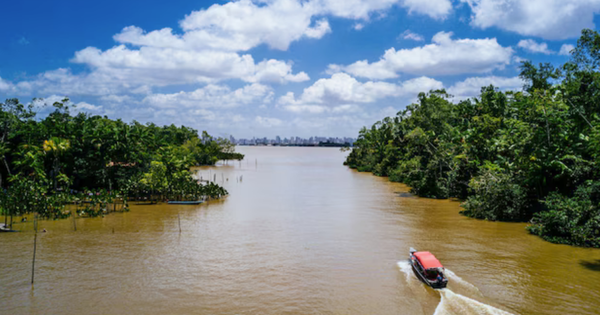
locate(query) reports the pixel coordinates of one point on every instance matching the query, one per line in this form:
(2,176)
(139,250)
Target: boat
(6,228)
(428,269)
(197,202)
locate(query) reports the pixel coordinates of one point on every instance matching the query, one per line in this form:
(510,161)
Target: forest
(47,164)
(521,156)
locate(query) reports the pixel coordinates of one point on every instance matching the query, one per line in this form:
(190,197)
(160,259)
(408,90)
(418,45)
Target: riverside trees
(512,156)
(43,162)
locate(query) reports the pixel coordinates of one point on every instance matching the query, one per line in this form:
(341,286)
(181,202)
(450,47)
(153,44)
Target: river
(299,234)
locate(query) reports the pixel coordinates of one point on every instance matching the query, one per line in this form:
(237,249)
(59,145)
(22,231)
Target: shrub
(571,220)
(495,196)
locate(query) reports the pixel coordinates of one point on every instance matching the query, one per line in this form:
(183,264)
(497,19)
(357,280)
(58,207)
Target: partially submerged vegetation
(49,163)
(512,156)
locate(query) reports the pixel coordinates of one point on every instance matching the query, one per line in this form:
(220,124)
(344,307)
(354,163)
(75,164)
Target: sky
(261,68)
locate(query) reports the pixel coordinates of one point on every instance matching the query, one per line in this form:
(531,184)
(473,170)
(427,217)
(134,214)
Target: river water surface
(299,234)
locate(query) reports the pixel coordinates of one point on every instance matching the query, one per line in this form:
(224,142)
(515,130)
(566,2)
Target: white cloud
(534,47)
(445,56)
(566,49)
(412,36)
(165,66)
(5,85)
(548,19)
(343,90)
(319,30)
(359,26)
(63,81)
(275,71)
(268,122)
(437,9)
(245,24)
(119,99)
(87,107)
(312,109)
(211,96)
(210,47)
(471,87)
(361,9)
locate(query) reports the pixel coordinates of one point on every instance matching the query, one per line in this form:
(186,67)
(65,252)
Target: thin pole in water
(34,250)
(179,218)
(74,224)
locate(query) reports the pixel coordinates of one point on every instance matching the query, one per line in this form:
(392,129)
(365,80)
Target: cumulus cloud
(166,66)
(212,96)
(341,90)
(210,47)
(534,47)
(445,56)
(548,19)
(471,87)
(437,9)
(566,49)
(245,24)
(275,71)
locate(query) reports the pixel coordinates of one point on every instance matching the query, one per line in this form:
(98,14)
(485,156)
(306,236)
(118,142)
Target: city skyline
(292,140)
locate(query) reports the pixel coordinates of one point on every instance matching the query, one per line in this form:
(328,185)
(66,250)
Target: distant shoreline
(319,145)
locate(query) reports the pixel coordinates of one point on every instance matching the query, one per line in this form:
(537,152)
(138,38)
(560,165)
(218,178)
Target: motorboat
(428,269)
(6,228)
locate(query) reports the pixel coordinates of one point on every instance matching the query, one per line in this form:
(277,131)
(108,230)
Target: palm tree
(56,147)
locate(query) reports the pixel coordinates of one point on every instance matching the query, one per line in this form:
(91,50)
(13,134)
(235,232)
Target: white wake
(456,304)
(452,303)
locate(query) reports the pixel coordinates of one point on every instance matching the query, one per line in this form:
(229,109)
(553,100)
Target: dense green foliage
(47,163)
(512,156)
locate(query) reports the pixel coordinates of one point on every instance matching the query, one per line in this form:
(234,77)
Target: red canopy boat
(428,269)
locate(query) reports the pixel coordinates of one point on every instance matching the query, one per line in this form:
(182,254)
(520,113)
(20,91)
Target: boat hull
(433,284)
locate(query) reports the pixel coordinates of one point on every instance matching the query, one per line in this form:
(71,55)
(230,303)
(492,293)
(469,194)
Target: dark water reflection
(299,234)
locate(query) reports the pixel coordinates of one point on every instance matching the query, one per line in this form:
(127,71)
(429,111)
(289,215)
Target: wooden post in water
(179,218)
(74,224)
(215,178)
(34,250)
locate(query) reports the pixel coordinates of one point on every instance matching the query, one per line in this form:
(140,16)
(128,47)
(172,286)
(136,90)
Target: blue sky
(275,67)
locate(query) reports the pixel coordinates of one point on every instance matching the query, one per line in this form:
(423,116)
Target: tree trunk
(6,165)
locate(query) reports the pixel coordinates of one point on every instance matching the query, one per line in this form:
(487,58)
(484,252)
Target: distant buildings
(295,141)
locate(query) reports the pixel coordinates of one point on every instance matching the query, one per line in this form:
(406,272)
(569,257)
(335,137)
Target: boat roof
(428,261)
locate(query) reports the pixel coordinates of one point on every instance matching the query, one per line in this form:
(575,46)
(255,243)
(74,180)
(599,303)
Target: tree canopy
(44,162)
(527,155)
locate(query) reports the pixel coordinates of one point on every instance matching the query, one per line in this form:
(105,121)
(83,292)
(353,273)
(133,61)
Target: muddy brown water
(299,234)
